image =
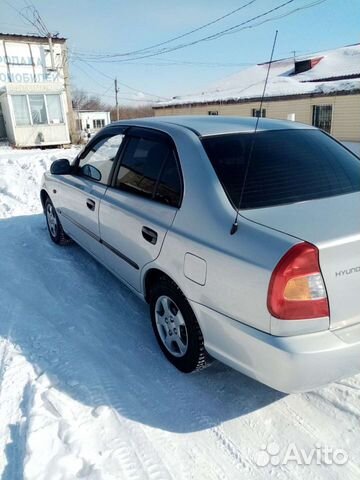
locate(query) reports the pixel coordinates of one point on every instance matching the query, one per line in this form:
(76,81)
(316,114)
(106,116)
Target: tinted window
(169,187)
(286,166)
(98,161)
(141,165)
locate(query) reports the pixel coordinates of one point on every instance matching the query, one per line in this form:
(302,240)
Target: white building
(35,105)
(91,121)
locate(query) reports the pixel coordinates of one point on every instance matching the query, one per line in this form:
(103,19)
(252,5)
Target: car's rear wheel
(55,229)
(176,328)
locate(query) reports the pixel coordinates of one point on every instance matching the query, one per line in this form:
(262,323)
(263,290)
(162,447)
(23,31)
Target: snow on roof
(342,65)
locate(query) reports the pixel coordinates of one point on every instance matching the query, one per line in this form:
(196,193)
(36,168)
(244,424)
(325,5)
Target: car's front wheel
(55,229)
(176,328)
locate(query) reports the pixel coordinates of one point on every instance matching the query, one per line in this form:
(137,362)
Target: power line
(241,26)
(129,99)
(87,74)
(31,15)
(107,89)
(234,29)
(166,62)
(208,37)
(120,83)
(277,17)
(216,20)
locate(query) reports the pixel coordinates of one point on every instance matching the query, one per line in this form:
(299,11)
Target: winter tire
(56,231)
(176,328)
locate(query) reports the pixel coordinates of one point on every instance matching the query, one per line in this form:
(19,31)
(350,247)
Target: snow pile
(86,393)
(20,176)
(249,83)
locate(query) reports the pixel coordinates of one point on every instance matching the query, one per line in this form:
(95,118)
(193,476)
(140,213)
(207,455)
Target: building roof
(31,38)
(93,111)
(328,72)
(212,124)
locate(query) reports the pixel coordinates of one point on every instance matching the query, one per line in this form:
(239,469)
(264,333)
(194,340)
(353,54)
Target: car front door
(80,194)
(141,204)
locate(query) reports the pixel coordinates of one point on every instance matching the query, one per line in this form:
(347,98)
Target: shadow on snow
(74,321)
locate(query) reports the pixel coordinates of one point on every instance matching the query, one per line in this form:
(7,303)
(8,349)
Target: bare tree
(127,111)
(83,101)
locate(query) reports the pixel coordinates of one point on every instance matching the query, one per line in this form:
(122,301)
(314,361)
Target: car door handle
(149,235)
(90,204)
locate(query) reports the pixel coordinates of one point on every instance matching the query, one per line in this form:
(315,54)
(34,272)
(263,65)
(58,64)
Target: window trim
(90,145)
(149,134)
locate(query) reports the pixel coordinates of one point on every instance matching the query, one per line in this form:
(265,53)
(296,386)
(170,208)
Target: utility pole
(51,48)
(116,99)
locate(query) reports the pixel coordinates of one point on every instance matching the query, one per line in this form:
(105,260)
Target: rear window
(286,166)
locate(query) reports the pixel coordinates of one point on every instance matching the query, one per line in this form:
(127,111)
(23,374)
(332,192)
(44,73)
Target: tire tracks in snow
(239,459)
(16,393)
(138,457)
(140,446)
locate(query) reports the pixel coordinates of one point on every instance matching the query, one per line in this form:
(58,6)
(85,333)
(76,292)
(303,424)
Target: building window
(322,117)
(256,112)
(38,109)
(99,123)
(21,109)
(213,112)
(54,109)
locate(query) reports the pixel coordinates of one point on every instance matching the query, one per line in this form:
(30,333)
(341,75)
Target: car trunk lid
(333,225)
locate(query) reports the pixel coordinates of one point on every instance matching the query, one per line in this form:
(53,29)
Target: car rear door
(79,195)
(141,204)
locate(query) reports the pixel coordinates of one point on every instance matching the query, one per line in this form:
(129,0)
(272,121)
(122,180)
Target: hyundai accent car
(244,242)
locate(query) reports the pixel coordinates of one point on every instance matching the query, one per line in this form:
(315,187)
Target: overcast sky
(118,26)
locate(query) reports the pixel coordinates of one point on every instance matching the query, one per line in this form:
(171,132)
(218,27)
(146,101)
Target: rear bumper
(289,364)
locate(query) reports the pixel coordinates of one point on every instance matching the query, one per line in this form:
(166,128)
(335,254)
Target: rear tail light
(297,289)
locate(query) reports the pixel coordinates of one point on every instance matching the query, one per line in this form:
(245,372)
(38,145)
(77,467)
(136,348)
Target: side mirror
(60,167)
(92,172)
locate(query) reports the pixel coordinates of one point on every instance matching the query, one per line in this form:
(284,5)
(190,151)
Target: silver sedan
(245,244)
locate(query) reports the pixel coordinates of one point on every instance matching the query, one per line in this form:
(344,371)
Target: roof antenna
(234,226)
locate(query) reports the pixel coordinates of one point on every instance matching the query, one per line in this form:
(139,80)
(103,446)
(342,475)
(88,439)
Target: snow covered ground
(86,393)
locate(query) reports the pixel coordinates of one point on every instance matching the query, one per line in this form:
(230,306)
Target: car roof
(206,125)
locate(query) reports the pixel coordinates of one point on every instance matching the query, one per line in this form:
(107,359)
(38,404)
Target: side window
(141,165)
(169,187)
(98,161)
